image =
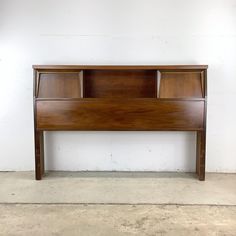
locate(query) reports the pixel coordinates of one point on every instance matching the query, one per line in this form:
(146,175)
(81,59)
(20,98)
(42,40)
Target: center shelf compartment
(120,83)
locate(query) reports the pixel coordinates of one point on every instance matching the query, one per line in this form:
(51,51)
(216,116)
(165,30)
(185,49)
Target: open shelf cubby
(120,84)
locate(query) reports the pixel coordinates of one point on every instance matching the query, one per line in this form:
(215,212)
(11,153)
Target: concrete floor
(118,187)
(114,220)
(103,203)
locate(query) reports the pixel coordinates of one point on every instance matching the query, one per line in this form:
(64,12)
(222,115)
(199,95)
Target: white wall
(117,32)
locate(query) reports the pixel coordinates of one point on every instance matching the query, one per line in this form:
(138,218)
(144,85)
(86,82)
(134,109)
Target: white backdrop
(117,32)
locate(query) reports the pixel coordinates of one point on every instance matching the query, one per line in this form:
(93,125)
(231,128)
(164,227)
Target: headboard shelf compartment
(120,83)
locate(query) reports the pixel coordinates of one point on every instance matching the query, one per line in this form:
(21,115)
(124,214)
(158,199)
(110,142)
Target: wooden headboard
(144,98)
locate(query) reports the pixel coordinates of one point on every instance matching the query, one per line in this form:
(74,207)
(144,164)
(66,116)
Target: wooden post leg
(201,153)
(39,155)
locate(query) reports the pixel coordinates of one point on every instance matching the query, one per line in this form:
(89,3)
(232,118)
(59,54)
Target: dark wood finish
(59,85)
(128,114)
(201,149)
(120,83)
(39,154)
(181,84)
(71,97)
(120,67)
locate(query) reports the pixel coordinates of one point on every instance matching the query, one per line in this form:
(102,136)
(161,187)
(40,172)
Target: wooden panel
(127,114)
(115,84)
(118,67)
(59,85)
(181,85)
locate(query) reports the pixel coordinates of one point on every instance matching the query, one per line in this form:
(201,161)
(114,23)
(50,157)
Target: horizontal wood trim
(130,114)
(120,99)
(119,67)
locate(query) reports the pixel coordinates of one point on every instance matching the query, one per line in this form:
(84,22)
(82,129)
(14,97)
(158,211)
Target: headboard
(124,98)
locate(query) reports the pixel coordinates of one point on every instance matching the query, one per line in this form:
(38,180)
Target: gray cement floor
(118,187)
(114,220)
(103,203)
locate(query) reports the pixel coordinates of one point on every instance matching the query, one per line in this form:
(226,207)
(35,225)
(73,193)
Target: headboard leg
(39,154)
(201,153)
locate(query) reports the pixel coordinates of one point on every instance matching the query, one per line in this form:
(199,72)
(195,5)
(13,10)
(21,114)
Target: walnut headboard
(159,98)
